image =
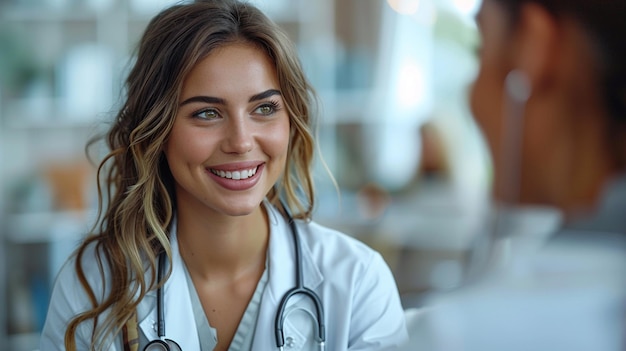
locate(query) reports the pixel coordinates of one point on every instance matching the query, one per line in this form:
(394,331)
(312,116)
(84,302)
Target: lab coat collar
(179,321)
(282,268)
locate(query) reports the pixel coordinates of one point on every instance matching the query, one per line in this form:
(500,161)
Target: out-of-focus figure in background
(550,97)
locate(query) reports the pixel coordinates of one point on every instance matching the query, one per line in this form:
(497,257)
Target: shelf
(51,126)
(440,218)
(19,114)
(46,14)
(345,106)
(43,227)
(24,342)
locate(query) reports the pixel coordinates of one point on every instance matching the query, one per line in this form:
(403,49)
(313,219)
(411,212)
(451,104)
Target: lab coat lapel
(180,325)
(282,275)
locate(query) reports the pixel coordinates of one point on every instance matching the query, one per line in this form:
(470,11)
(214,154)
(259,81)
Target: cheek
(550,151)
(277,140)
(187,146)
(486,107)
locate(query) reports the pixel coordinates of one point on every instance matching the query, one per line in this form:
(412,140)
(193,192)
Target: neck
(222,248)
(592,165)
(591,158)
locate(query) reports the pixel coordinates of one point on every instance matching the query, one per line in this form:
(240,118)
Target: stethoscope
(165,344)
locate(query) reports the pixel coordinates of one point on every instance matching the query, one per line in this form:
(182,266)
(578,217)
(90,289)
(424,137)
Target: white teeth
(235,175)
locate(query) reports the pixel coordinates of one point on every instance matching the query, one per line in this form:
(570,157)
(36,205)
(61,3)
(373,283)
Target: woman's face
(229,142)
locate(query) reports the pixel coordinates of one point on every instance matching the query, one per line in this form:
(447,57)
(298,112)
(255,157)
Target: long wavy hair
(136,189)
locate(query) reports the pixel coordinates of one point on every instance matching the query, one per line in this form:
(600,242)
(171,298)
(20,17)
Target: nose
(239,138)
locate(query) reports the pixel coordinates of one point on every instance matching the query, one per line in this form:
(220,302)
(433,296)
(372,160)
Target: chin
(239,213)
(241,209)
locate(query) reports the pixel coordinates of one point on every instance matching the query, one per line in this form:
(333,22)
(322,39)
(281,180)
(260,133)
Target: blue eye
(208,113)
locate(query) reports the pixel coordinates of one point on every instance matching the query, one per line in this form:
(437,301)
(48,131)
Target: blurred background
(394,130)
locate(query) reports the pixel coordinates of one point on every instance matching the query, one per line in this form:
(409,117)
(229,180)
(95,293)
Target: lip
(237,185)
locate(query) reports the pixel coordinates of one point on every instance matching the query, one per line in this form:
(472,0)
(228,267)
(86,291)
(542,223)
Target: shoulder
(324,240)
(583,258)
(95,270)
(70,298)
(368,291)
(337,251)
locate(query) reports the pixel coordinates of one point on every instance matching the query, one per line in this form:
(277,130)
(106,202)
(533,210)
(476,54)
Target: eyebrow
(264,95)
(215,100)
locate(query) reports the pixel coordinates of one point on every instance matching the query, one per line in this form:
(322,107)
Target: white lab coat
(361,302)
(569,294)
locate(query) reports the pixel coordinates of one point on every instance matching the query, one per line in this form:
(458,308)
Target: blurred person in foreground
(550,97)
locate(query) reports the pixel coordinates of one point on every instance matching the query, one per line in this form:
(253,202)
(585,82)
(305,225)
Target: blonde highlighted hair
(137,186)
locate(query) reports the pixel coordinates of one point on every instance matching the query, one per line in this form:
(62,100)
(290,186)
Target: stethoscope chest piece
(163,345)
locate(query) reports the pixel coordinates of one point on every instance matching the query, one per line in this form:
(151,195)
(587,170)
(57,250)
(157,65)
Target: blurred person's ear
(535,51)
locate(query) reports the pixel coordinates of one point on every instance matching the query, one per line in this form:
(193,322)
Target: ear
(535,52)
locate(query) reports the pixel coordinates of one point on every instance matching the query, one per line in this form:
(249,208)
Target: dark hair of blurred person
(568,57)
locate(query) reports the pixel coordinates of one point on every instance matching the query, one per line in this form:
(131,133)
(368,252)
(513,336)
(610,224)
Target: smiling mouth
(235,175)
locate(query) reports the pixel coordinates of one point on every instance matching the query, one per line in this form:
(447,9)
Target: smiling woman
(207,226)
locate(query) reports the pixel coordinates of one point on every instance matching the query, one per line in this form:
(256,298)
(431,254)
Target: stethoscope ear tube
(298,289)
(160,312)
(278,327)
(163,344)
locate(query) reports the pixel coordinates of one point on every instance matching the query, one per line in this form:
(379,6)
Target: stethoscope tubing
(169,345)
(161,344)
(298,289)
